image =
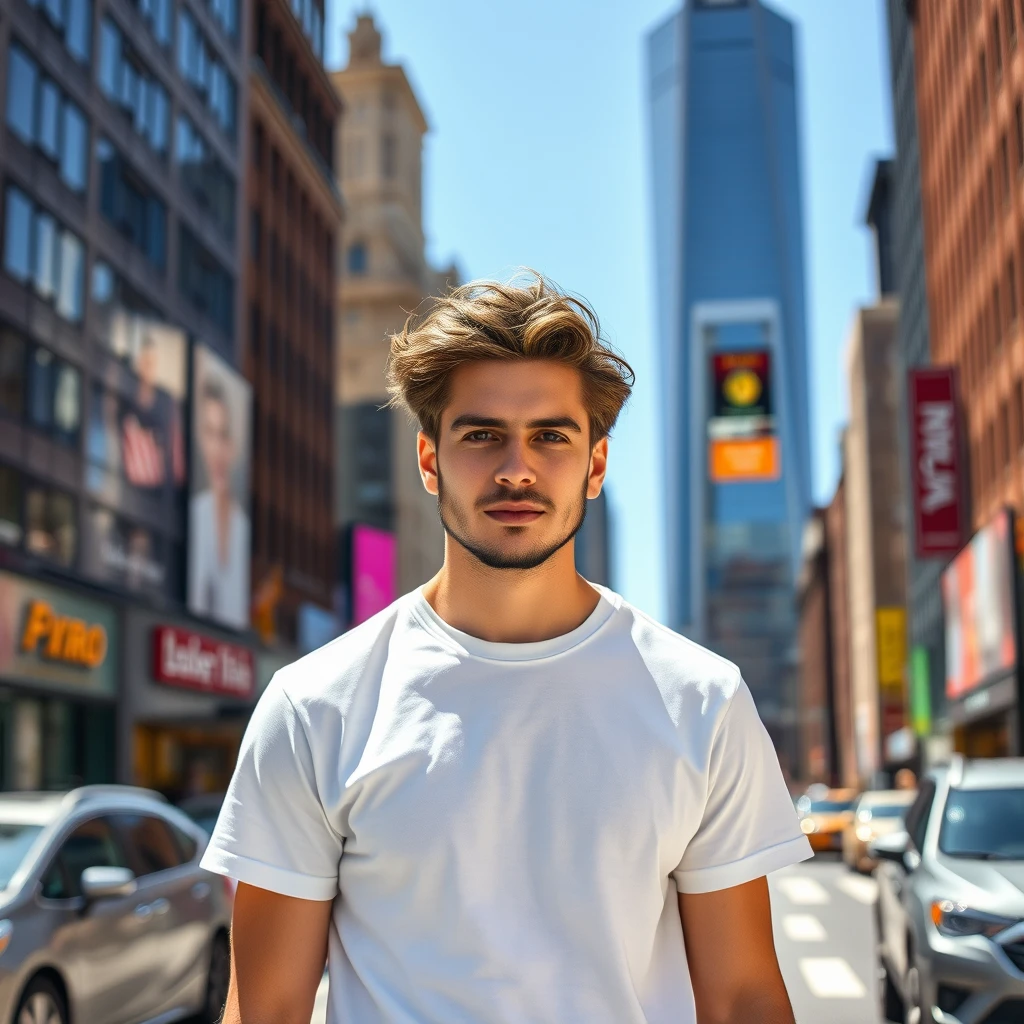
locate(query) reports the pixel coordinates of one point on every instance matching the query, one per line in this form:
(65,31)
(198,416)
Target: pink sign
(373,571)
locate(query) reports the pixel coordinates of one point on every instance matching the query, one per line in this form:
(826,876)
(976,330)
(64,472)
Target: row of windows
(225,13)
(281,540)
(43,520)
(206,74)
(43,117)
(204,282)
(41,252)
(204,177)
(304,382)
(157,14)
(131,206)
(297,91)
(124,80)
(995,447)
(311,18)
(73,20)
(39,389)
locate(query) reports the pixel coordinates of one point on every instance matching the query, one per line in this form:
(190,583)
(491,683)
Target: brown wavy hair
(526,318)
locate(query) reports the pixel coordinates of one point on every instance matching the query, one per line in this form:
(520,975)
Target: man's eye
(551,437)
(479,435)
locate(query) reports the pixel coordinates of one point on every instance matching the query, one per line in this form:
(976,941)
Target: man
(218,578)
(509,798)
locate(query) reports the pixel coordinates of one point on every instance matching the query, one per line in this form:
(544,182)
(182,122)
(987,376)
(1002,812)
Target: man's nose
(515,469)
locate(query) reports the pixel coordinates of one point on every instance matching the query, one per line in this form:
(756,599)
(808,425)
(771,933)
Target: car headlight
(808,825)
(864,833)
(954,919)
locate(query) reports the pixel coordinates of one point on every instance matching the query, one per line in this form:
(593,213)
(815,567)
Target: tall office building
(730,286)
(292,222)
(384,275)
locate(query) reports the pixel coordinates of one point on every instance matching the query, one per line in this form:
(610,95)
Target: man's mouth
(515,515)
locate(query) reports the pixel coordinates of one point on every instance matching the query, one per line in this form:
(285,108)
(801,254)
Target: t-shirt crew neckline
(472,646)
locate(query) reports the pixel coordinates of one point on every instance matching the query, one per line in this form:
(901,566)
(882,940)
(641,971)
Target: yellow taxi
(824,814)
(877,813)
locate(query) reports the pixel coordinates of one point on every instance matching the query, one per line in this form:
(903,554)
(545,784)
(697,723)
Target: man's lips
(513,516)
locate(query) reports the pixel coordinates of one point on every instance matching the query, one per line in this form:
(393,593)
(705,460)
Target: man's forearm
(760,1007)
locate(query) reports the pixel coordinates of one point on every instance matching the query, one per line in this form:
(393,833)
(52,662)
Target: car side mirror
(102,883)
(893,848)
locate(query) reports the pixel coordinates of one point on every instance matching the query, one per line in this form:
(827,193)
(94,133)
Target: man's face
(512,465)
(216,443)
(146,363)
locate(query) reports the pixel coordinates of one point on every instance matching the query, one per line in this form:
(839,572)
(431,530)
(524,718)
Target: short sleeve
(749,826)
(272,831)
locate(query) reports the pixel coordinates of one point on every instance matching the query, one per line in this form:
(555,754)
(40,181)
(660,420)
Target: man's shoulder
(679,665)
(333,671)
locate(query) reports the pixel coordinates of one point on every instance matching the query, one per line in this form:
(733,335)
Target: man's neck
(510,606)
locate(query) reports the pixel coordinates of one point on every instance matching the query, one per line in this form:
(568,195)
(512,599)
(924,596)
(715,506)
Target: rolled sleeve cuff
(725,876)
(266,876)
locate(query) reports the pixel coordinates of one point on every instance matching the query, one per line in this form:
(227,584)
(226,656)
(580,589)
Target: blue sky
(537,156)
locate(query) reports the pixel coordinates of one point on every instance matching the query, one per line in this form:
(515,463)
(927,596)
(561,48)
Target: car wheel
(41,1003)
(889,999)
(217,980)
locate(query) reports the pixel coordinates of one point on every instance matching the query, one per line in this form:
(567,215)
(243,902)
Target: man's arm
(730,950)
(278,951)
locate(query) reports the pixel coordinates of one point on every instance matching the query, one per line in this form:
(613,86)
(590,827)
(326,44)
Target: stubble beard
(456,525)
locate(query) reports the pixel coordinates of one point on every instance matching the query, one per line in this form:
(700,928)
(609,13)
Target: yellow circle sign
(742,387)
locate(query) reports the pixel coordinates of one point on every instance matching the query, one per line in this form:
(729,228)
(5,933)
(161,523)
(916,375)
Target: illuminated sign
(742,443)
(196,662)
(62,638)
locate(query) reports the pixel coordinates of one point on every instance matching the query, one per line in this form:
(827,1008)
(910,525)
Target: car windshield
(15,840)
(987,824)
(886,810)
(830,806)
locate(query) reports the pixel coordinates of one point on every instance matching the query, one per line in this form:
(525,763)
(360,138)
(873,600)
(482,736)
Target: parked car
(951,899)
(824,813)
(203,809)
(875,813)
(105,914)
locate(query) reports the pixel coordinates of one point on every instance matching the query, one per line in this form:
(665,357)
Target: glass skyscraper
(728,232)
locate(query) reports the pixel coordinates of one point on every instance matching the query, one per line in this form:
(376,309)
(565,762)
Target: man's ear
(598,468)
(426,455)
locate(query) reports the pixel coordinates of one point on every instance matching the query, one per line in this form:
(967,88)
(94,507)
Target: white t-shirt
(215,588)
(503,828)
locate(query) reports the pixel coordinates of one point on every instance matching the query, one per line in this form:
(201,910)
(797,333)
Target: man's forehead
(515,390)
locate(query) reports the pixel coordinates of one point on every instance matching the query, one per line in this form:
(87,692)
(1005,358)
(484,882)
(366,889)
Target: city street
(825,938)
(824,934)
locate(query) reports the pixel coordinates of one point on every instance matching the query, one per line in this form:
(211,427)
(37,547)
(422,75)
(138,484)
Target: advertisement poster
(373,571)
(742,442)
(126,554)
(936,466)
(978,599)
(218,515)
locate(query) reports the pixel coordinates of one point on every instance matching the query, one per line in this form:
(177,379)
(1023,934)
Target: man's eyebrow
(472,420)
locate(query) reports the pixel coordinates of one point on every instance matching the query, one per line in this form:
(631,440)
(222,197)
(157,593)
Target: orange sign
(62,638)
(750,459)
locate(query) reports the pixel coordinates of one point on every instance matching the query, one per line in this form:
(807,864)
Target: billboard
(373,571)
(742,441)
(218,514)
(937,470)
(978,600)
(891,652)
(195,662)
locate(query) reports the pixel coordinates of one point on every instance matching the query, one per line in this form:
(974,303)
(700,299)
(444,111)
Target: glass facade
(730,280)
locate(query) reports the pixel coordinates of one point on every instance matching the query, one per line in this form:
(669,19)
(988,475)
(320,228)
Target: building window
(206,74)
(157,14)
(255,235)
(41,116)
(130,206)
(12,374)
(204,282)
(51,524)
(205,178)
(225,12)
(257,144)
(40,251)
(10,506)
(357,258)
(124,80)
(54,399)
(388,156)
(72,19)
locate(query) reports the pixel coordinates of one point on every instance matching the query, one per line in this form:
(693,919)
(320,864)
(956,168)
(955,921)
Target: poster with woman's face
(218,541)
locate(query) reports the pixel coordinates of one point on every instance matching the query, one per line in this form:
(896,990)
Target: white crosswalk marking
(803,928)
(804,891)
(831,977)
(863,890)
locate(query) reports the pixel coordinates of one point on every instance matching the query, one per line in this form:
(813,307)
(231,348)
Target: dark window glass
(149,843)
(49,119)
(186,844)
(130,206)
(51,525)
(986,824)
(388,156)
(917,817)
(55,11)
(72,277)
(110,57)
(74,148)
(79,36)
(46,255)
(17,234)
(41,371)
(204,282)
(205,177)
(22,82)
(92,845)
(12,373)
(10,506)
(125,81)
(357,259)
(255,235)
(205,73)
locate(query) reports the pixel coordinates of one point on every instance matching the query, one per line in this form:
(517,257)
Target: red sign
(936,463)
(196,662)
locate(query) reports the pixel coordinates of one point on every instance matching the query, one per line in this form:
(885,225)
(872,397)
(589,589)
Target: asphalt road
(824,935)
